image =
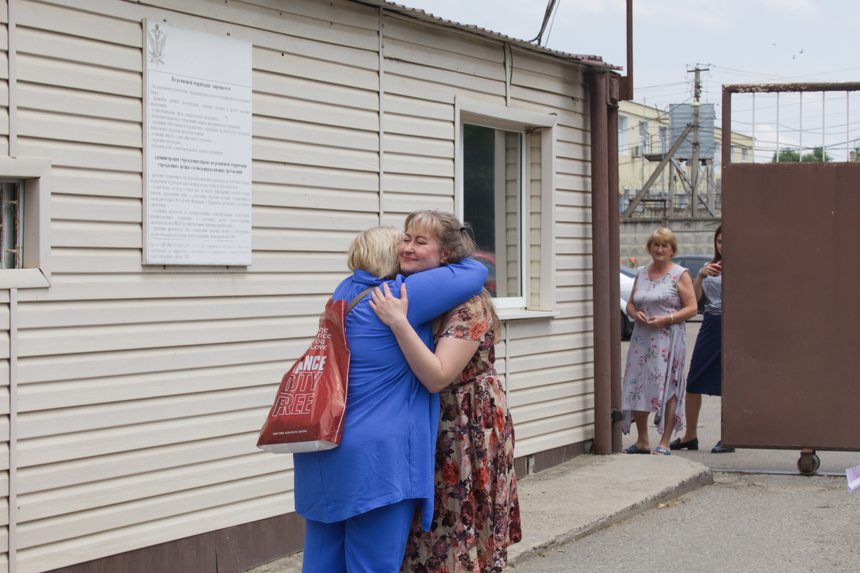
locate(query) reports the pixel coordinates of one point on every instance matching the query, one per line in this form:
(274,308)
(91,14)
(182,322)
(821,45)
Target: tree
(792,156)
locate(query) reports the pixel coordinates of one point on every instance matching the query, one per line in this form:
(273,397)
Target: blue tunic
(389,434)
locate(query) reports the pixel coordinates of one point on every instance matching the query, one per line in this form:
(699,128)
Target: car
(488,259)
(694,264)
(626,276)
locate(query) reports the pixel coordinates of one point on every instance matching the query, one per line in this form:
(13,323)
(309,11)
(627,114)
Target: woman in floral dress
(476,510)
(654,378)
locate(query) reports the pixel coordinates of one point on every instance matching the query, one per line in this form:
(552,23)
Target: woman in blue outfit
(706,366)
(359,499)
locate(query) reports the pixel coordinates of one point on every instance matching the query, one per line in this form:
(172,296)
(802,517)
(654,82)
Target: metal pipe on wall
(600,263)
(614,285)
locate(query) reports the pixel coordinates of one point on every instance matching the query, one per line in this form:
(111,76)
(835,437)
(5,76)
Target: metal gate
(791,299)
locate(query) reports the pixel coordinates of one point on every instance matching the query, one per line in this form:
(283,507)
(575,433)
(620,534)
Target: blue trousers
(372,542)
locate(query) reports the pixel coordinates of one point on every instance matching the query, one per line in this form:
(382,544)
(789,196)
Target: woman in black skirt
(705,368)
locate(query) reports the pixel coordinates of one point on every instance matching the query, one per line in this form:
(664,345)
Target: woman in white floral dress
(654,378)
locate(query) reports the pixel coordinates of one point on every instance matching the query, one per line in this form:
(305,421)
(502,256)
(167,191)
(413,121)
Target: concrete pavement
(581,496)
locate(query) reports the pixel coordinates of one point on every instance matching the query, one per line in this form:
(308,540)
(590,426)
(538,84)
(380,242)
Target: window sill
(23,278)
(522,314)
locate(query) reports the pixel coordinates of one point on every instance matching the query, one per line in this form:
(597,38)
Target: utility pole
(694,162)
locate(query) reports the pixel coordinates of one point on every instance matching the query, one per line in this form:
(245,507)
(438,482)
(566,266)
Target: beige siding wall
(142,389)
(5,404)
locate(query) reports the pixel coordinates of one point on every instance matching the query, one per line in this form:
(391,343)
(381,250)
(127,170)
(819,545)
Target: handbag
(309,409)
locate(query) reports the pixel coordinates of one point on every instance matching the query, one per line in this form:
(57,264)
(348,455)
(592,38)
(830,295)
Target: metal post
(777,127)
(600,264)
(614,286)
(753,129)
(801,126)
(694,162)
(823,144)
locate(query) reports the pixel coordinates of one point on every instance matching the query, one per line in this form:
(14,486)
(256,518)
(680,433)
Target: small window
(745,155)
(493,204)
(664,139)
(623,136)
(644,138)
(11,223)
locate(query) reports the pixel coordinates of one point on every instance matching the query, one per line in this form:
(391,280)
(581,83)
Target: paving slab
(581,496)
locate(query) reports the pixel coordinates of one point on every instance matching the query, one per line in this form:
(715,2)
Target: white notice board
(197,148)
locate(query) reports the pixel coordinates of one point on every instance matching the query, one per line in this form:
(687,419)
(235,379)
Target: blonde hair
(375,251)
(455,239)
(663,236)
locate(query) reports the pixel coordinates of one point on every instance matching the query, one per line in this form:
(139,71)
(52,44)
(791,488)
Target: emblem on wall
(157,39)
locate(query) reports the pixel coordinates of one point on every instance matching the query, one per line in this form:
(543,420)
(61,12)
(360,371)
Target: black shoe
(677,444)
(719,449)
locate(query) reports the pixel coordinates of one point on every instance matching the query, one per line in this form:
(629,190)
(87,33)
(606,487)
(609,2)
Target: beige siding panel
(323,93)
(311,112)
(76,102)
(437,39)
(53,449)
(541,82)
(71,366)
(546,102)
(547,425)
(82,155)
(72,551)
(542,442)
(148,414)
(4,94)
(77,23)
(282,218)
(399,183)
(151,485)
(417,165)
(407,51)
(49,125)
(106,209)
(540,344)
(548,360)
(571,166)
(305,240)
(90,182)
(47,71)
(332,22)
(407,203)
(172,285)
(452,79)
(555,407)
(548,392)
(267,172)
(310,134)
(100,235)
(346,74)
(54,342)
(81,50)
(574,199)
(537,379)
(314,155)
(80,393)
(35,315)
(419,146)
(565,182)
(4,65)
(129,464)
(393,104)
(420,127)
(314,198)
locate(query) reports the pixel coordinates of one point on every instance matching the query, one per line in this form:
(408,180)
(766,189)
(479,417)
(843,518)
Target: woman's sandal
(634,450)
(662,452)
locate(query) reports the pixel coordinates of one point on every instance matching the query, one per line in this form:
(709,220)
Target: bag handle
(358,298)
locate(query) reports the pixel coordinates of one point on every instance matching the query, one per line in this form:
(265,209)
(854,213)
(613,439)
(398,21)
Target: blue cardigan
(386,454)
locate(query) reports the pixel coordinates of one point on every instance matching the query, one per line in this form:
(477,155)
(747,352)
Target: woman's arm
(637,315)
(437,291)
(709,270)
(435,371)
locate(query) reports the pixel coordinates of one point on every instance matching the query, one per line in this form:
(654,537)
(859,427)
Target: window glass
(11,222)
(492,204)
(623,136)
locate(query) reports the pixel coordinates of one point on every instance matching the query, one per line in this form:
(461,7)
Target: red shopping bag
(309,408)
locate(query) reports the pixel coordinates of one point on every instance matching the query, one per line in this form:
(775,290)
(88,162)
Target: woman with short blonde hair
(654,378)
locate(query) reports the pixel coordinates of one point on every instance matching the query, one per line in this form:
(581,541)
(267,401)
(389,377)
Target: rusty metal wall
(791,305)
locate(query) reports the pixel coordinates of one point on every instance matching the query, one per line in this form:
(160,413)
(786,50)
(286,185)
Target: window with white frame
(25,219)
(623,136)
(506,192)
(644,138)
(664,139)
(745,155)
(493,204)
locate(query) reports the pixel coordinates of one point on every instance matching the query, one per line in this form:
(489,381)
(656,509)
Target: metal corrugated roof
(419,14)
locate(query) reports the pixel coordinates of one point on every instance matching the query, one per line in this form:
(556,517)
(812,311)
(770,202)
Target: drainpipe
(614,285)
(600,263)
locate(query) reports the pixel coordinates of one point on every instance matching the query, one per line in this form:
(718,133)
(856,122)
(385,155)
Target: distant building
(644,136)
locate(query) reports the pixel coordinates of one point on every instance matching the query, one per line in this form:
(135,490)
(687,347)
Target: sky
(740,41)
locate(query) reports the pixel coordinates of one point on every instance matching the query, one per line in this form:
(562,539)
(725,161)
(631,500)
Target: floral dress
(476,509)
(655,359)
